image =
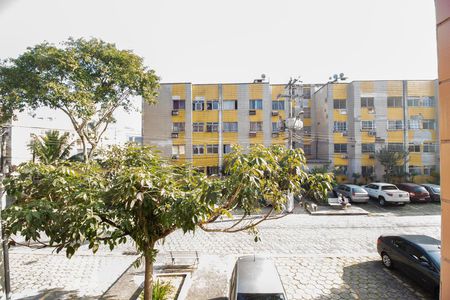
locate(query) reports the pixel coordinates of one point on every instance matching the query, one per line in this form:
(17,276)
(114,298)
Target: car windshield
(419,189)
(436,189)
(242,296)
(436,257)
(359,190)
(389,188)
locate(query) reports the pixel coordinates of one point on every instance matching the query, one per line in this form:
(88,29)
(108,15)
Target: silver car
(353,192)
(256,278)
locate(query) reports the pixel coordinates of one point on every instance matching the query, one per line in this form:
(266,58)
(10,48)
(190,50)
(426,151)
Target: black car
(418,256)
(434,190)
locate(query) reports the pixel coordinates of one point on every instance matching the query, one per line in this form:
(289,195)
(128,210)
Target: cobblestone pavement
(319,257)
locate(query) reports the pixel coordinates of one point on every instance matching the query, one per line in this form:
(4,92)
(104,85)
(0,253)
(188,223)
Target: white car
(387,193)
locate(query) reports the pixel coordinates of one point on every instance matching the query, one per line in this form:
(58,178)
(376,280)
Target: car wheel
(386,260)
(382,201)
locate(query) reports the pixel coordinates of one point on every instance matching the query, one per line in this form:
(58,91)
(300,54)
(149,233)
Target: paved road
(326,257)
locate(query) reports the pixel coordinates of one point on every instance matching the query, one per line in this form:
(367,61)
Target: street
(318,257)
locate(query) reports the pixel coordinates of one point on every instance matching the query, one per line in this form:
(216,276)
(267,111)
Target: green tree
(391,160)
(51,147)
(86,79)
(134,193)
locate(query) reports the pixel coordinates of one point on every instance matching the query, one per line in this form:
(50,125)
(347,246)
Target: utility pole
(293,123)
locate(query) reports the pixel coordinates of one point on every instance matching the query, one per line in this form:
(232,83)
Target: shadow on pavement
(56,294)
(410,209)
(370,280)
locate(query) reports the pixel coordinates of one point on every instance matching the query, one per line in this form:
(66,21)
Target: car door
(399,254)
(422,268)
(369,189)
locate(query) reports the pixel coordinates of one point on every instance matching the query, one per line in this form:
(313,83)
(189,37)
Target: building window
(198,105)
(413,124)
(212,149)
(226,148)
(307,112)
(395,102)
(212,170)
(415,170)
(212,127)
(230,126)
(256,126)
(340,103)
(178,127)
(275,127)
(178,150)
(413,147)
(367,125)
(179,104)
(277,105)
(367,101)
(339,126)
(413,101)
(307,130)
(367,148)
(428,101)
(428,124)
(256,104)
(198,149)
(340,169)
(395,124)
(340,148)
(307,93)
(212,105)
(367,171)
(429,147)
(229,105)
(428,170)
(307,149)
(198,127)
(395,147)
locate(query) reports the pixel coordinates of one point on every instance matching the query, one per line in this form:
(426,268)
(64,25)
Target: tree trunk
(148,281)
(85,153)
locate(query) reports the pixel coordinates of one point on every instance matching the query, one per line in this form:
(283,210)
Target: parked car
(416,192)
(256,278)
(387,193)
(353,192)
(434,190)
(418,256)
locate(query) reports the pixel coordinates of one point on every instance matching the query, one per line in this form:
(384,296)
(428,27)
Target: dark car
(418,256)
(434,190)
(417,193)
(256,278)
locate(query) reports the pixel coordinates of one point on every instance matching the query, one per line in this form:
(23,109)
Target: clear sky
(205,41)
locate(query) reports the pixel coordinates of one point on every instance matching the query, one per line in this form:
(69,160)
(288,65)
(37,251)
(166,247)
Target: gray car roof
(257,275)
(424,241)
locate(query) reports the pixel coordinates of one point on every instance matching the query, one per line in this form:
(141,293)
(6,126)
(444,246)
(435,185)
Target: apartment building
(353,120)
(200,122)
(344,123)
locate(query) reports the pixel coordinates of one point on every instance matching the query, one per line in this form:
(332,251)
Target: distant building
(344,123)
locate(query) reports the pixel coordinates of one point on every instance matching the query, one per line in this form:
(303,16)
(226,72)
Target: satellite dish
(263,76)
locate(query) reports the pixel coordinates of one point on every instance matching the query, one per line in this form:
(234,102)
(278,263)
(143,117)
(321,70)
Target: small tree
(51,147)
(390,160)
(86,79)
(134,193)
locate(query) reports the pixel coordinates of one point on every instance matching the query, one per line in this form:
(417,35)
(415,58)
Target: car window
(346,188)
(419,189)
(389,187)
(358,190)
(413,252)
(400,244)
(436,189)
(242,296)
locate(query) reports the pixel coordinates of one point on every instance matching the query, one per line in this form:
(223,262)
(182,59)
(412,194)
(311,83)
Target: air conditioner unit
(252,112)
(344,156)
(175,156)
(174,134)
(252,134)
(275,134)
(371,155)
(372,133)
(344,133)
(371,110)
(175,112)
(343,111)
(274,112)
